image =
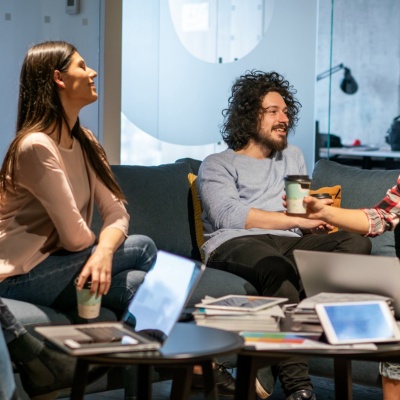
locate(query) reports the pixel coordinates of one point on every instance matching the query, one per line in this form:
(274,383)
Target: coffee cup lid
(297,178)
(87,285)
(322,195)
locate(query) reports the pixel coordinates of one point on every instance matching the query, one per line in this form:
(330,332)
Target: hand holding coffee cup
(297,187)
(89,304)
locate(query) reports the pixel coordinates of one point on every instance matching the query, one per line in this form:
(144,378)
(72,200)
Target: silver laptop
(349,273)
(149,319)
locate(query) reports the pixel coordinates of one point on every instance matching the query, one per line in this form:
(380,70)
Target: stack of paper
(239,313)
(304,317)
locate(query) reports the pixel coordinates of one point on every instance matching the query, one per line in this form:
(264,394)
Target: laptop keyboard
(103,334)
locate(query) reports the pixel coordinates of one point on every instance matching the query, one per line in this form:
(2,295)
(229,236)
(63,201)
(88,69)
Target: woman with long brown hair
(53,174)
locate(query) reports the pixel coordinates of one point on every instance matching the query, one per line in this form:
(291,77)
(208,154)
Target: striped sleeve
(385,215)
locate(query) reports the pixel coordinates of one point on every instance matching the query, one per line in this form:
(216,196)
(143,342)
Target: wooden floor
(324,390)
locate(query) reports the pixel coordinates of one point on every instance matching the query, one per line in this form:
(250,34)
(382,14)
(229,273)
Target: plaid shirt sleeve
(385,215)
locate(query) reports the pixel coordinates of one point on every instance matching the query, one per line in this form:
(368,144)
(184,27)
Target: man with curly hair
(246,231)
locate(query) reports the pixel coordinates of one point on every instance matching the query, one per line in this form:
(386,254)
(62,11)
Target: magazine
(241,303)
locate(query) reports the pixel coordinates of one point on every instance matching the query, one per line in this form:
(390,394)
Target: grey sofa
(160,205)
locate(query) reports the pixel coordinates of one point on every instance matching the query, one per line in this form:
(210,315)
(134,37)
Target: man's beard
(272,144)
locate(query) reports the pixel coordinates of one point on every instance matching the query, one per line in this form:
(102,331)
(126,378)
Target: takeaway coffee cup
(88,304)
(297,187)
(322,196)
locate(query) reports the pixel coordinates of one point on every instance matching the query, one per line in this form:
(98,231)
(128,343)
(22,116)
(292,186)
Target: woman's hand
(313,220)
(99,264)
(316,208)
(99,268)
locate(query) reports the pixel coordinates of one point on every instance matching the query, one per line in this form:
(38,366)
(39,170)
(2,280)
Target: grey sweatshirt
(230,184)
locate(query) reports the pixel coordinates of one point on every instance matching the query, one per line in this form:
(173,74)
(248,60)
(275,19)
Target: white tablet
(358,322)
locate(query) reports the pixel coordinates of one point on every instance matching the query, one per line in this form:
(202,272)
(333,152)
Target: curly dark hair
(242,117)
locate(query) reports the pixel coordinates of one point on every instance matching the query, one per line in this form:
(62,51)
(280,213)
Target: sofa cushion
(361,188)
(160,205)
(194,164)
(197,211)
(217,283)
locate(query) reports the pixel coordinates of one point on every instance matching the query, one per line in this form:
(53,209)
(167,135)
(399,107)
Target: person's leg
(340,242)
(51,283)
(42,369)
(11,328)
(258,259)
(7,382)
(130,264)
(390,380)
(132,260)
(44,283)
(39,367)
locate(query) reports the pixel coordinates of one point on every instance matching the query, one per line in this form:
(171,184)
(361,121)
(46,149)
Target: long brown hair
(40,108)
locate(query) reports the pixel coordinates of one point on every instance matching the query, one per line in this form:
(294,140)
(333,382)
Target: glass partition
(365,41)
(181,57)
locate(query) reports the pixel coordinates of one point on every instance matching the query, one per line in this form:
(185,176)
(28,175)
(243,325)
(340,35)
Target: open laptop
(349,273)
(149,318)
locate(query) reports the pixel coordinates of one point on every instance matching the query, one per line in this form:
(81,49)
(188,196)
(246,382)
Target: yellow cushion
(336,194)
(198,224)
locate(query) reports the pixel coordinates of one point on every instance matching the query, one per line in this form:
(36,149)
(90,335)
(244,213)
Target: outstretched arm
(257,218)
(350,220)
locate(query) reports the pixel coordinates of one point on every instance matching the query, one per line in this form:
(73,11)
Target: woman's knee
(123,287)
(143,251)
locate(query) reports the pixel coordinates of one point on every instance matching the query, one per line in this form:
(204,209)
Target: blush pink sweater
(51,206)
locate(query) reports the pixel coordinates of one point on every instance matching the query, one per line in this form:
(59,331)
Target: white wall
(24,23)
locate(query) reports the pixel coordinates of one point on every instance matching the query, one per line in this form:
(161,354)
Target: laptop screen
(159,300)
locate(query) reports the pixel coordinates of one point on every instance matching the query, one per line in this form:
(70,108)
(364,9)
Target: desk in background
(364,157)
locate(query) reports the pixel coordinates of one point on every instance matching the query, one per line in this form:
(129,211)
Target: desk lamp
(348,84)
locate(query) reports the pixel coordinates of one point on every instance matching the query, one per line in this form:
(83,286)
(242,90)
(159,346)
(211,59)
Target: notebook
(349,273)
(358,322)
(149,318)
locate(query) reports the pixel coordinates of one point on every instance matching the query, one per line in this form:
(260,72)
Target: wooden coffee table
(187,346)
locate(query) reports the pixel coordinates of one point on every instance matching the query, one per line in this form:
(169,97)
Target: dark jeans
(51,282)
(267,262)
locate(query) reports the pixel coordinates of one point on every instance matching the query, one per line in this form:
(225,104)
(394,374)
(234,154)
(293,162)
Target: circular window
(220,31)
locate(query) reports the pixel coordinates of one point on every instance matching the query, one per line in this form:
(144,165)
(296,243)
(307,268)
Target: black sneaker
(223,379)
(302,395)
(265,383)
